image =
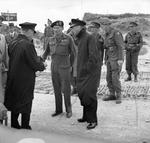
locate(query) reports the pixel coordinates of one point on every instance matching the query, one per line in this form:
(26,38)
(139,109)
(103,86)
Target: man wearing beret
(87,72)
(23,63)
(134,42)
(94,28)
(114,58)
(62,51)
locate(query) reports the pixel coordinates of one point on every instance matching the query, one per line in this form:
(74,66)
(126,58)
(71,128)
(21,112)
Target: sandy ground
(128,122)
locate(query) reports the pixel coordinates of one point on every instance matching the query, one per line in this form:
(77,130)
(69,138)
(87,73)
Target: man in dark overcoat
(87,72)
(23,63)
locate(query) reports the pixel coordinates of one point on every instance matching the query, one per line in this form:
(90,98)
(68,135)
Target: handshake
(45,65)
(38,73)
(43,61)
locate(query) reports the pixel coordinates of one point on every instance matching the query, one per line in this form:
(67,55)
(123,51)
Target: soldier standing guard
(114,46)
(134,42)
(62,50)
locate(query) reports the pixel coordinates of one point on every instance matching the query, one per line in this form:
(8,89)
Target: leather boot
(91,125)
(128,78)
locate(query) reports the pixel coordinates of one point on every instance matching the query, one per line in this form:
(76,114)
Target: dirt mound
(122,21)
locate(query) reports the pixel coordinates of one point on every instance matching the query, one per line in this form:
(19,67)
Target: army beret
(133,24)
(28,25)
(58,23)
(95,24)
(77,22)
(1,17)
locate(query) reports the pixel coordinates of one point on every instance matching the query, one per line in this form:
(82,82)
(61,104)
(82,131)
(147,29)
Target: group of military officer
(77,55)
(81,53)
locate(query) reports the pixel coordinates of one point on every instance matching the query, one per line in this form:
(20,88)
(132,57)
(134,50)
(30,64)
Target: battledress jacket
(87,67)
(23,63)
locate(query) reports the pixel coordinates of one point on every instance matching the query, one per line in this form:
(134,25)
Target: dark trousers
(25,119)
(90,112)
(131,62)
(113,77)
(61,84)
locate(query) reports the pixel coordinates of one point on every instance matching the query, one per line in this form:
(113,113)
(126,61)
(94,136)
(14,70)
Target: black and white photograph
(74,71)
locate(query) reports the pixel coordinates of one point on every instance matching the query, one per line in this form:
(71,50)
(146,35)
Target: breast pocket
(63,47)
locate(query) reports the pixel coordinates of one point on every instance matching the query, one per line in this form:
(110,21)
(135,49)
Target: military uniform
(60,49)
(114,52)
(134,42)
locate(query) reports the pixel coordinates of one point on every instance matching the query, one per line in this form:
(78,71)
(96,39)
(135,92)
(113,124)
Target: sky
(38,11)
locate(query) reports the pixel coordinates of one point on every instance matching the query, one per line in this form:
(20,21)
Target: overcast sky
(39,10)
